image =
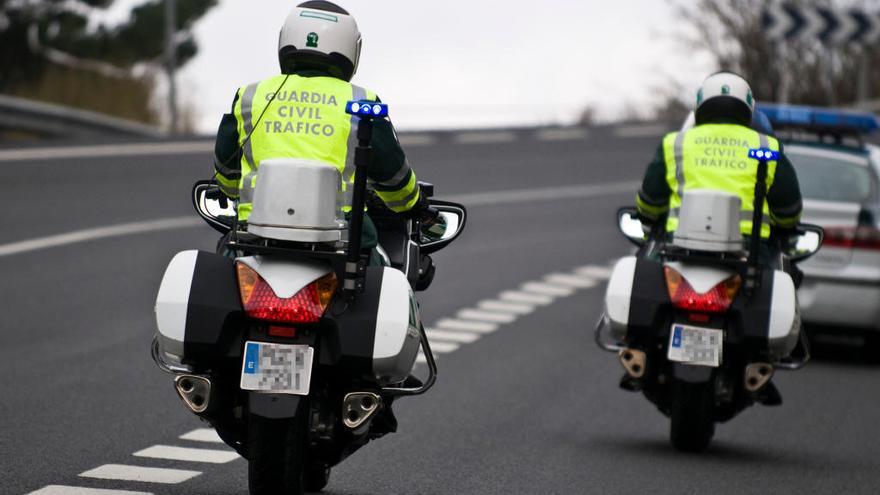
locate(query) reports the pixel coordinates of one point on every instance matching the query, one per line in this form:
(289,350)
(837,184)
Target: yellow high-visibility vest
(300,117)
(715,156)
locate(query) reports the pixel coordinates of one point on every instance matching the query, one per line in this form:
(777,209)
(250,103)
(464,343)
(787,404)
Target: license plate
(695,345)
(277,368)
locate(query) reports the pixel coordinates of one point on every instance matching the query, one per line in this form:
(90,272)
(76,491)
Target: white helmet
(320,35)
(725,94)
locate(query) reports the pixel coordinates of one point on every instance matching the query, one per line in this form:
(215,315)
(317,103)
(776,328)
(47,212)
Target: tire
(693,425)
(276,450)
(315,479)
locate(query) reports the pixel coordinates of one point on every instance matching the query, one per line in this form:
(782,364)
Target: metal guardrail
(46,119)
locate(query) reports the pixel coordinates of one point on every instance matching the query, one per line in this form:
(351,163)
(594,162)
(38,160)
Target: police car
(839,175)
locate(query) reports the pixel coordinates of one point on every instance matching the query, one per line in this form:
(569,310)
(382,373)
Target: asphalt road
(531,408)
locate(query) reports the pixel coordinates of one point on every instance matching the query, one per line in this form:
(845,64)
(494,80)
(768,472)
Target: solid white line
(644,130)
(98,233)
(187,454)
(583,191)
(596,271)
(444,347)
(466,326)
(547,289)
(140,473)
(579,282)
(77,490)
(484,137)
(108,150)
(525,297)
(417,139)
(495,305)
(561,134)
(460,337)
(202,435)
(490,316)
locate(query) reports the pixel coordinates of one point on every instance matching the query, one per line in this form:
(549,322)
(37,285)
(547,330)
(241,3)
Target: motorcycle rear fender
(273,406)
(691,374)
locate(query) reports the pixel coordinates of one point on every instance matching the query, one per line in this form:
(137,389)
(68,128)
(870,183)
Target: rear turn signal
(717,300)
(261,303)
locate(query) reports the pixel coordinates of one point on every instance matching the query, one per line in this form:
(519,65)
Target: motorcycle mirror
(455,217)
(630,226)
(806,243)
(209,203)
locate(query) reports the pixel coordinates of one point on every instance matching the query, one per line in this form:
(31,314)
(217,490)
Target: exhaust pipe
(359,407)
(194,391)
(633,362)
(757,375)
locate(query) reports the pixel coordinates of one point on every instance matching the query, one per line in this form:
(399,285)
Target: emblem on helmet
(312,40)
(725,90)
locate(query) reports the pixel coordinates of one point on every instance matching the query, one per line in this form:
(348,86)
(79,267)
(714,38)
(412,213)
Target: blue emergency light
(366,108)
(764,154)
(827,120)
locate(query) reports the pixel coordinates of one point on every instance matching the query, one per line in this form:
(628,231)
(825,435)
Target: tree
(732,32)
(46,39)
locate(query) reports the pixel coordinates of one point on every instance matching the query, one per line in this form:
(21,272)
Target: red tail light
(717,300)
(261,303)
(852,237)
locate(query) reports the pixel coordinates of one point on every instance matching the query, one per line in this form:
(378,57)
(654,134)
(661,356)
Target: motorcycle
(702,322)
(291,344)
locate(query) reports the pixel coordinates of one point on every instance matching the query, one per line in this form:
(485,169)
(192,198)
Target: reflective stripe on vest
(303,117)
(715,156)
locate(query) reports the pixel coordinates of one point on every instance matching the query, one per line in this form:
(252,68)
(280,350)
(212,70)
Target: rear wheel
(276,449)
(315,479)
(692,425)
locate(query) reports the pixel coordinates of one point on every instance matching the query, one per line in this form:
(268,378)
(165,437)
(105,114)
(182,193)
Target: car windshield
(831,176)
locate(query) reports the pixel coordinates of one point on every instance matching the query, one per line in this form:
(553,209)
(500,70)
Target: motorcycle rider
(301,114)
(713,155)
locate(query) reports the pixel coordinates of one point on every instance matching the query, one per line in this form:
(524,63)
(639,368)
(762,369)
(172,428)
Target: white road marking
(444,347)
(490,316)
(107,150)
(596,271)
(187,454)
(643,130)
(422,359)
(496,305)
(140,473)
(525,297)
(466,326)
(471,200)
(417,139)
(460,337)
(569,134)
(98,233)
(486,137)
(578,282)
(547,289)
(77,490)
(202,435)
(583,191)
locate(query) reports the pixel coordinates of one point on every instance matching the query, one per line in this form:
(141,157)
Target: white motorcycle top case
(709,221)
(298,200)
